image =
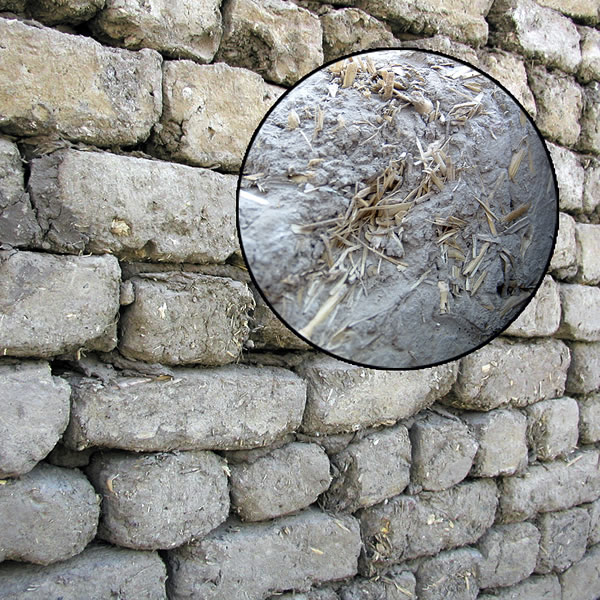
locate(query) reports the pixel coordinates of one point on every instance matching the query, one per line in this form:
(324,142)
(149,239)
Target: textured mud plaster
(397,229)
(99,572)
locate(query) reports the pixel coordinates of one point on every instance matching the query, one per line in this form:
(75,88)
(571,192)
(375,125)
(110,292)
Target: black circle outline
(328,352)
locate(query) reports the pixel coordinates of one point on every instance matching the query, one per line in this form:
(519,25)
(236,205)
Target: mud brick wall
(162,435)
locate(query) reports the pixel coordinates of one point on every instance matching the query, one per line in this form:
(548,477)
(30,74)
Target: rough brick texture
(588,250)
(411,526)
(257,559)
(535,588)
(186,29)
(186,318)
(118,92)
(510,372)
(589,67)
(589,141)
(226,408)
(570,177)
(284,481)
(508,554)
(580,312)
(35,412)
(56,507)
(134,208)
(563,262)
(396,585)
(370,470)
(277,39)
(57,304)
(582,580)
(342,397)
(97,573)
(553,486)
(203,122)
(153,501)
(73,12)
(584,370)
(589,419)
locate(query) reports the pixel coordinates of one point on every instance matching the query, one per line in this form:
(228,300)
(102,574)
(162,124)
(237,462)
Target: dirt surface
(397,209)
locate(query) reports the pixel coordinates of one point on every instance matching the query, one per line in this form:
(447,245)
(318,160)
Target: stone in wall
(411,526)
(591,189)
(277,39)
(509,70)
(450,574)
(18,225)
(118,92)
(134,208)
(537,587)
(342,397)
(559,102)
(512,372)
(588,251)
(463,21)
(442,43)
(220,408)
(370,470)
(255,559)
(204,121)
(584,371)
(563,539)
(501,437)
(184,29)
(281,482)
(589,140)
(268,332)
(57,304)
(589,419)
(398,584)
(541,317)
(186,318)
(580,10)
(159,501)
(582,580)
(35,412)
(564,260)
(50,514)
(525,27)
(589,69)
(580,312)
(318,593)
(72,12)
(551,486)
(553,427)
(594,512)
(570,177)
(509,554)
(349,30)
(100,571)
(442,452)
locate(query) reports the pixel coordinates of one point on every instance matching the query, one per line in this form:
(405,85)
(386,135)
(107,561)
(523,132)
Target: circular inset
(397,209)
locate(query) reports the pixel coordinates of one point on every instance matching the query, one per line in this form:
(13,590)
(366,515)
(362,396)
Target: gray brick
(589,69)
(99,572)
(507,371)
(134,208)
(589,140)
(397,584)
(501,436)
(588,250)
(548,487)
(185,29)
(580,312)
(509,554)
(342,397)
(58,304)
(537,32)
(370,470)
(580,10)
(564,539)
(281,482)
(258,559)
(35,412)
(73,12)
(584,370)
(55,507)
(442,452)
(564,260)
(591,189)
(186,318)
(553,427)
(411,526)
(594,512)
(221,408)
(570,176)
(159,501)
(203,123)
(582,580)
(589,419)
(278,40)
(118,92)
(535,588)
